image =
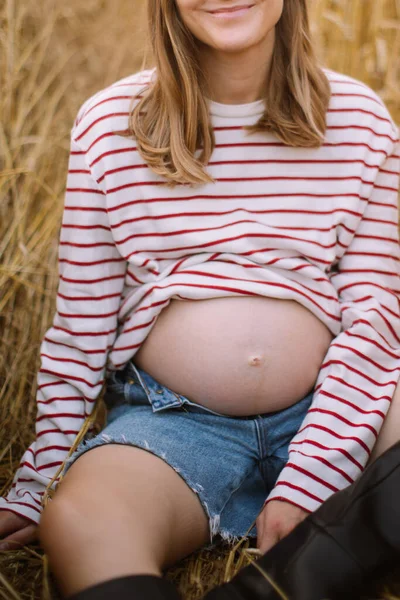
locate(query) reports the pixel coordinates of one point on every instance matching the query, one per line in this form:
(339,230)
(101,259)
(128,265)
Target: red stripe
(110,99)
(288,500)
(50,465)
(33,498)
(362,110)
(248,144)
(230,239)
(299,489)
(71,226)
(217,241)
(228,288)
(133,277)
(326,145)
(90,264)
(237,197)
(251,179)
(311,476)
(365,357)
(148,306)
(47,448)
(340,290)
(71,190)
(101,351)
(234,210)
(356,96)
(353,406)
(328,464)
(88,298)
(56,399)
(21,504)
(383,205)
(260,266)
(95,245)
(110,153)
(380,254)
(388,324)
(141,326)
(66,432)
(260,281)
(328,128)
(343,419)
(124,348)
(347,384)
(103,118)
(85,209)
(255,162)
(350,368)
(84,333)
(71,360)
(88,316)
(322,447)
(371,341)
(90,281)
(48,417)
(99,139)
(337,435)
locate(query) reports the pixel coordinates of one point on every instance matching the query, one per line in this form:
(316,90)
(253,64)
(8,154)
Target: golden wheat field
(53,56)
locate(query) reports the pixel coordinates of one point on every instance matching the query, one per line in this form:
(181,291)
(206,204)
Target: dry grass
(54,55)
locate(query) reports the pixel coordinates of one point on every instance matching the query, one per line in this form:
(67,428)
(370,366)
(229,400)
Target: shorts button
(131,381)
(159,391)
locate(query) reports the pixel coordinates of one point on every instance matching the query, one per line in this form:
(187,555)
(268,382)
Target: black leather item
(337,551)
(130,587)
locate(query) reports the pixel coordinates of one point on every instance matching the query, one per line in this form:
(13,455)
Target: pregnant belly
(236,355)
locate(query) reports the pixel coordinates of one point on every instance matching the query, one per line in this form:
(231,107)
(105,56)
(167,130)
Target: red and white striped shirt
(316,225)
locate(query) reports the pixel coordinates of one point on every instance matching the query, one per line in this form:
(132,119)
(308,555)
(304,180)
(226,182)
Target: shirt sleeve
(359,374)
(74,350)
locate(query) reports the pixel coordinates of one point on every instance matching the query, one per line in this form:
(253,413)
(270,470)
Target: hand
(16,531)
(276,520)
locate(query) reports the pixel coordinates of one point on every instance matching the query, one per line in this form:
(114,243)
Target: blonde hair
(171,121)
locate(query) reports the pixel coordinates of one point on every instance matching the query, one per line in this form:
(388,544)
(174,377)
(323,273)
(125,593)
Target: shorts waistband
(160,396)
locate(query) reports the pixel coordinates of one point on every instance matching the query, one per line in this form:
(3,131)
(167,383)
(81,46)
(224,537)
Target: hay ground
(53,56)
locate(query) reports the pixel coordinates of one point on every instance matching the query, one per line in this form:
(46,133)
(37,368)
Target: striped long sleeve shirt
(315,225)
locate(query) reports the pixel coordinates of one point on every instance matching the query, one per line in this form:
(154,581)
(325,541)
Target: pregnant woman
(229,273)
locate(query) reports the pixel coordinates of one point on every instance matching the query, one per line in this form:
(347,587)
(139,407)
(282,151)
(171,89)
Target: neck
(238,78)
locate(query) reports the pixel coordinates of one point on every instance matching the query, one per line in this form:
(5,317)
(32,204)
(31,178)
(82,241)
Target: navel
(255,360)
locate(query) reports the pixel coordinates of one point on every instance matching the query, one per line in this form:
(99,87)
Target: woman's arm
(74,350)
(362,367)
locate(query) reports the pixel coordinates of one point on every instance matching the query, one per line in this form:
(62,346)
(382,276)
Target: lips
(231,9)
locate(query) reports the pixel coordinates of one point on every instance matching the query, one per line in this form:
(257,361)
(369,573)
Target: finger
(266,542)
(10,522)
(20,538)
(8,525)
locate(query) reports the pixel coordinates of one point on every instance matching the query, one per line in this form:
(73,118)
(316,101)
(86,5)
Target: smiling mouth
(231,11)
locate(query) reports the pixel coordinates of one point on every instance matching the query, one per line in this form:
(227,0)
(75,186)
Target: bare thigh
(119,510)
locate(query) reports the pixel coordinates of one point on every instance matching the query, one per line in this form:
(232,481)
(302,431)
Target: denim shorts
(231,462)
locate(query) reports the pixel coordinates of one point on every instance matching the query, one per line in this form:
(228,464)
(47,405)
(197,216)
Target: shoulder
(351,95)
(108,109)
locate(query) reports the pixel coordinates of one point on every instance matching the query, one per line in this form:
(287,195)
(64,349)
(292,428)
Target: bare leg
(119,510)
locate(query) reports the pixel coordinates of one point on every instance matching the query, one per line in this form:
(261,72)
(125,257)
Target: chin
(231,43)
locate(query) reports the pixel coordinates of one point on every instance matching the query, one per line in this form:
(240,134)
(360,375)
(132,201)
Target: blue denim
(231,462)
